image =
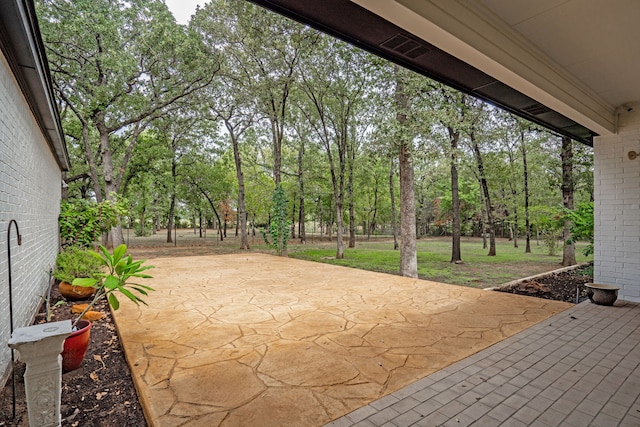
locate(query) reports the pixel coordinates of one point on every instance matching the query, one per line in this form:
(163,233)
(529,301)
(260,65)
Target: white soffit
(501,47)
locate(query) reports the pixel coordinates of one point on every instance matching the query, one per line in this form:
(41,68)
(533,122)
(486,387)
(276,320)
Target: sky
(183,9)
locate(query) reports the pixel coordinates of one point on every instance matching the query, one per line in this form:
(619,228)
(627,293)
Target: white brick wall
(30,182)
(617,212)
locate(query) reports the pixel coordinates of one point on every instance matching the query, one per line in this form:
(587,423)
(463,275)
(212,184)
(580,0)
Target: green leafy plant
(120,268)
(279,225)
(581,225)
(74,262)
(550,227)
(46,298)
(82,222)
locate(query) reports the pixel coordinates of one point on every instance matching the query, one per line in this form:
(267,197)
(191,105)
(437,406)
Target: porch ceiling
(570,65)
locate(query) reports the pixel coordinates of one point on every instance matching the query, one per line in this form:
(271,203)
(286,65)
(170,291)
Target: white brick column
(617,212)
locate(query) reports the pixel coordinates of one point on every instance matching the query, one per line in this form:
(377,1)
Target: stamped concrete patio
(253,339)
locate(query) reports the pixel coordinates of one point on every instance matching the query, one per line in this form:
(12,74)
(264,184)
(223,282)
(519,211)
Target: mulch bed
(568,286)
(101,392)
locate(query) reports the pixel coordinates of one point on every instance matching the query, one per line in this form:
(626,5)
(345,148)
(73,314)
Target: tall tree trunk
(293,217)
(339,226)
(483,225)
(277,147)
(93,169)
(516,224)
(114,236)
(242,210)
(301,217)
(456,256)
(171,215)
(408,251)
(173,195)
(213,207)
(373,222)
(352,214)
(569,250)
(394,223)
(337,181)
(486,195)
(525,173)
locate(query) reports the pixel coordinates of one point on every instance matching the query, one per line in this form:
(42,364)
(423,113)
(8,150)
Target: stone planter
(602,294)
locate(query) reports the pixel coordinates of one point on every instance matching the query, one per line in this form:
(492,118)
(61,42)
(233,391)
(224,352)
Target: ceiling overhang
(435,38)
(22,46)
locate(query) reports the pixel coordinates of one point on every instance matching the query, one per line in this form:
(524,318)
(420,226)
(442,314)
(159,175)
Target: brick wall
(617,212)
(30,182)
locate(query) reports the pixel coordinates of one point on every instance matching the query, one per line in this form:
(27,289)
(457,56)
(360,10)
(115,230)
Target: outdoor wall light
(632,155)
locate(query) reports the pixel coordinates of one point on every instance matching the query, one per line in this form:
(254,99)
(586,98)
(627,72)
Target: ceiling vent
(536,109)
(405,46)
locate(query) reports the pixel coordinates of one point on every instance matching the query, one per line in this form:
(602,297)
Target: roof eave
(22,46)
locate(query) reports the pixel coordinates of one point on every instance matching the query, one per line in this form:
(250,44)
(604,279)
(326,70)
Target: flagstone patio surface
(259,340)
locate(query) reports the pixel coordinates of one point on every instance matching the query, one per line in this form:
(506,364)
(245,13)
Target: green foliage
(549,222)
(143,232)
(120,269)
(82,222)
(74,262)
(280,225)
(434,257)
(581,225)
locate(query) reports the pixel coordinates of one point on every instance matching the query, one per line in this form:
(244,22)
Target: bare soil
(101,392)
(568,286)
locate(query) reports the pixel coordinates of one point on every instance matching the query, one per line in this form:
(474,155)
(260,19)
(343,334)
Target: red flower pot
(75,346)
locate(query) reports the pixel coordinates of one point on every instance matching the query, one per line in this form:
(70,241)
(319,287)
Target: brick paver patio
(579,368)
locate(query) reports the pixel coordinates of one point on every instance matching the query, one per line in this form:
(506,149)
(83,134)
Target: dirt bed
(568,286)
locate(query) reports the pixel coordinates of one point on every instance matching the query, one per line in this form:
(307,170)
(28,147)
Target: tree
(581,224)
(569,248)
(484,186)
(334,91)
(176,132)
(408,251)
(452,119)
(394,226)
(117,66)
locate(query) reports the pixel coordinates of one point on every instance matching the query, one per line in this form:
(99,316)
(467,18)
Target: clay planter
(75,293)
(602,294)
(75,346)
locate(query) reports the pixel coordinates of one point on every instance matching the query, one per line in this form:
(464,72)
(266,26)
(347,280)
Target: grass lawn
(434,254)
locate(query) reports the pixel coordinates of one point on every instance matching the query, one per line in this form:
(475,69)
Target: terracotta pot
(75,293)
(75,346)
(602,294)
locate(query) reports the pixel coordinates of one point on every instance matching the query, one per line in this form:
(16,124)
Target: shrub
(75,262)
(82,222)
(582,225)
(279,226)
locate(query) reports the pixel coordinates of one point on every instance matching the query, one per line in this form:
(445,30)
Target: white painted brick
(617,213)
(29,193)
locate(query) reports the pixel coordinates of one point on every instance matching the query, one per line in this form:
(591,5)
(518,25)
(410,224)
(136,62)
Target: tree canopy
(243,111)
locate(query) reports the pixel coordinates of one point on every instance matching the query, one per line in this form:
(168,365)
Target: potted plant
(119,270)
(71,263)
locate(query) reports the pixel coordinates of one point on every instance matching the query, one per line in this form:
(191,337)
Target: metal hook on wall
(13,373)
